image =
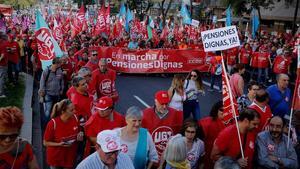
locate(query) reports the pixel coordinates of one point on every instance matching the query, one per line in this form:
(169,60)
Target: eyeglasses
(10,136)
(189,131)
(112,153)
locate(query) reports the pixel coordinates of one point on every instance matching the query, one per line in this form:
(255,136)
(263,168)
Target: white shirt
(191,89)
(195,153)
(177,101)
(129,147)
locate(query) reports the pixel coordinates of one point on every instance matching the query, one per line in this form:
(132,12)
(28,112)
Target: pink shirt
(234,84)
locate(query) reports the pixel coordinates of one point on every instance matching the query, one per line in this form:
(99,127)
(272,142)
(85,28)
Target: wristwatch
(278,160)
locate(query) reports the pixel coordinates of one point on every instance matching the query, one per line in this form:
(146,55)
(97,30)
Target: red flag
(296,98)
(78,22)
(164,33)
(107,20)
(117,29)
(228,112)
(101,22)
(57,32)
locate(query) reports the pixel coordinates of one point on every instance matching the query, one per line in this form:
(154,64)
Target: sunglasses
(95,54)
(188,131)
(193,75)
(10,136)
(112,153)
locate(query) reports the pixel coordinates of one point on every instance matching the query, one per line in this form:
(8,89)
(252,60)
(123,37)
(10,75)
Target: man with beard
(227,143)
(272,148)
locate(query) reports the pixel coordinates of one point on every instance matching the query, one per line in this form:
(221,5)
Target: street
(139,90)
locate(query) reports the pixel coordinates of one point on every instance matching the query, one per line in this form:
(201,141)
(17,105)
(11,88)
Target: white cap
(109,141)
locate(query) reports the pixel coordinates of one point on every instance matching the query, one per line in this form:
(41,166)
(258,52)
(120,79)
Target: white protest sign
(220,39)
(195,23)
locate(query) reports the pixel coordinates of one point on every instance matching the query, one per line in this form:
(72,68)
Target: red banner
(153,61)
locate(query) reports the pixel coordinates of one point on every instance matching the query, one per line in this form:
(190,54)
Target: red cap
(162,97)
(104,103)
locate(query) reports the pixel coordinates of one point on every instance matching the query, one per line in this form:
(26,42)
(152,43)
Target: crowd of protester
(82,129)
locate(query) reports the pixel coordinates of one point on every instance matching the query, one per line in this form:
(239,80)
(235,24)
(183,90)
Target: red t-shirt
(216,62)
(96,124)
(58,131)
(26,155)
(4,60)
(13,51)
(260,60)
(92,66)
(82,104)
(281,64)
(162,129)
(231,56)
(211,129)
(228,144)
(245,56)
(69,69)
(265,115)
(103,83)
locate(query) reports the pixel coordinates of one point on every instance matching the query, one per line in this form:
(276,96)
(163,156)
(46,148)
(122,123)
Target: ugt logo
(45,44)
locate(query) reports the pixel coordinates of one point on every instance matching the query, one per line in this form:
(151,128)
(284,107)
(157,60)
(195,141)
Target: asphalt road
(139,90)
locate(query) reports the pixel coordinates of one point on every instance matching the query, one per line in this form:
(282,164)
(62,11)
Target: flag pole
(232,106)
(294,96)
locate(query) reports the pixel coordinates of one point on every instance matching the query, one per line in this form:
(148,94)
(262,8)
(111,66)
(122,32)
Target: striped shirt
(94,162)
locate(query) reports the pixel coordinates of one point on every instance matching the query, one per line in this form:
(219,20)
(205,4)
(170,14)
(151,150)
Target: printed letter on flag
(47,46)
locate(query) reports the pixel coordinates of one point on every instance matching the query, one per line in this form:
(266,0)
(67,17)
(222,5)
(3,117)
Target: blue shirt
(279,102)
(266,146)
(133,45)
(93,161)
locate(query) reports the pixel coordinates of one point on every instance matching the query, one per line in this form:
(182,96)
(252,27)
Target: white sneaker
(3,96)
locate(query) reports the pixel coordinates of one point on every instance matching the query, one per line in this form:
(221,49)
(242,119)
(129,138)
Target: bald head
(282,81)
(276,127)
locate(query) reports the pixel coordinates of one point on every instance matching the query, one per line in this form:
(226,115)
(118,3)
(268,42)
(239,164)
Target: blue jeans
(191,106)
(262,74)
(213,78)
(3,75)
(48,105)
(12,67)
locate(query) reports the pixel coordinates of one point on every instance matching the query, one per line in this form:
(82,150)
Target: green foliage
(15,94)
(19,3)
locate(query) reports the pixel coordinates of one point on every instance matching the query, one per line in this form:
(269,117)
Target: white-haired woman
(175,155)
(136,141)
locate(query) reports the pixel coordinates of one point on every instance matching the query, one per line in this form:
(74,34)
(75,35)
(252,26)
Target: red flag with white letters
(101,22)
(228,112)
(78,22)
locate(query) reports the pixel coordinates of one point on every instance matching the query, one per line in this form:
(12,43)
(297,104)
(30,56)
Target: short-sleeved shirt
(228,143)
(94,162)
(279,102)
(96,124)
(195,153)
(162,129)
(82,105)
(25,156)
(58,131)
(129,147)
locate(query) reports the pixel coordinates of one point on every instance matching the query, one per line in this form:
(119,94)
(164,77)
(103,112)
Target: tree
(141,7)
(18,3)
(163,11)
